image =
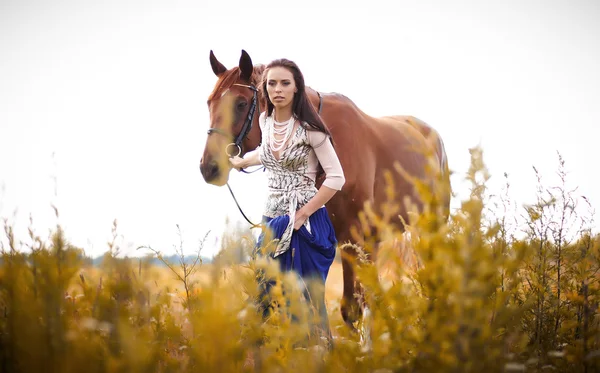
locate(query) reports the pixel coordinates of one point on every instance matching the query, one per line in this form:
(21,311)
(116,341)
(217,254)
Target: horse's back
(344,119)
(431,136)
(434,152)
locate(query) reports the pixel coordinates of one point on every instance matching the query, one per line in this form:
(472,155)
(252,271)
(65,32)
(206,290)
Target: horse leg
(350,307)
(353,303)
(366,339)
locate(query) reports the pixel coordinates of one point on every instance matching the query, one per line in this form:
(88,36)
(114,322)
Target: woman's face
(281,87)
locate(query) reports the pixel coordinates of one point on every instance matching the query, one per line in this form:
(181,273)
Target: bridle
(237,143)
(245,128)
(242,135)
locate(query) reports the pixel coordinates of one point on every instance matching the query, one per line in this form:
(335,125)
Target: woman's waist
(291,184)
(292,189)
(286,196)
(283,201)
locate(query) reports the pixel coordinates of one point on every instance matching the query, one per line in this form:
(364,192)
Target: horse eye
(242,105)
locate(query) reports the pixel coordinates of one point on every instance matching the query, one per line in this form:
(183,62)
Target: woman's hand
(236,162)
(300,219)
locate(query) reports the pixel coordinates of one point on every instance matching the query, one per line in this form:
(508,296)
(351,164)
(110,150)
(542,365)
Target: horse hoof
(365,332)
(351,314)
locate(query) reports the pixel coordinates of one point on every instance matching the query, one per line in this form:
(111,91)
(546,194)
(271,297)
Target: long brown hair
(301,106)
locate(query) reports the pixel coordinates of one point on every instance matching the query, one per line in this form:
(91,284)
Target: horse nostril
(213,168)
(209,170)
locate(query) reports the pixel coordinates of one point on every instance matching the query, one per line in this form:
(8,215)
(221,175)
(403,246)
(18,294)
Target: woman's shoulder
(315,137)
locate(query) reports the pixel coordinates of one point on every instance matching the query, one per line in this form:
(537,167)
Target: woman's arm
(322,197)
(334,179)
(250,159)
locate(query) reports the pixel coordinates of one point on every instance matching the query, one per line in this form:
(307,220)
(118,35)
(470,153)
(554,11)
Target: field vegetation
(496,288)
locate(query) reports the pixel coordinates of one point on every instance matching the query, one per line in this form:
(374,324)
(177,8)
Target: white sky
(109,98)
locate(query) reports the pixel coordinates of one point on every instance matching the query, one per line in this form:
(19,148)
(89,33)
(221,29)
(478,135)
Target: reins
(252,225)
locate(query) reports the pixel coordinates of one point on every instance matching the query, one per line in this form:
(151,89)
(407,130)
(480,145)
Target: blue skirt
(310,255)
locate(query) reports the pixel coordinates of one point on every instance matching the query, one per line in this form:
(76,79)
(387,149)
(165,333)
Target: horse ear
(246,67)
(217,67)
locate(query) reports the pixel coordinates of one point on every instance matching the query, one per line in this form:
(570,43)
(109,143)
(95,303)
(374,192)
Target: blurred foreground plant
(477,297)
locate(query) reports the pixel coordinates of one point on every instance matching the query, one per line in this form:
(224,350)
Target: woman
(295,142)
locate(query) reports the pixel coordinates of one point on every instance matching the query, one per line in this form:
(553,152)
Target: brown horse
(366,147)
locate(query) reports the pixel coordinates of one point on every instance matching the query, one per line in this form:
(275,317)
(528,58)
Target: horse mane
(232,75)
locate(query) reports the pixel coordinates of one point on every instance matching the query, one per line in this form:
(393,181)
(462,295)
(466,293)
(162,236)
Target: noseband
(245,128)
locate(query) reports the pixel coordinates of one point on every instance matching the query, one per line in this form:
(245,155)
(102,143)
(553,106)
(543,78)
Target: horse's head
(234,108)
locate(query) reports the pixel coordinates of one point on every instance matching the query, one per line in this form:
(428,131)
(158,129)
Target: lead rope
(252,225)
